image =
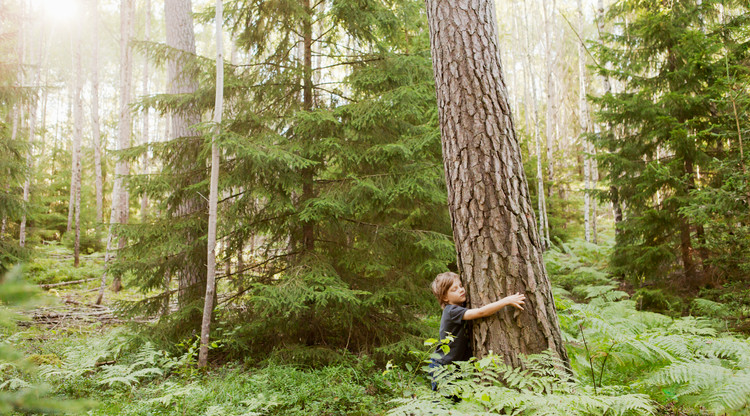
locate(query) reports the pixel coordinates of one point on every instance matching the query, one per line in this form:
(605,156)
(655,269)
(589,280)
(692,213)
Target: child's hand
(515,300)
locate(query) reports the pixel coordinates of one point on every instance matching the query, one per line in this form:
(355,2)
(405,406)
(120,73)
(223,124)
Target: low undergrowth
(625,361)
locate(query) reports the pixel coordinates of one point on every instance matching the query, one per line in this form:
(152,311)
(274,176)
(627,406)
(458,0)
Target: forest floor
(626,360)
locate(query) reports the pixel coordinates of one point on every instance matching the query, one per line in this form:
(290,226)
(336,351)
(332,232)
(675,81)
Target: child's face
(456,295)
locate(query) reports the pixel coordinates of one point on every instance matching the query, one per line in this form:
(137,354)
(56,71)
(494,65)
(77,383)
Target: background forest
(328,208)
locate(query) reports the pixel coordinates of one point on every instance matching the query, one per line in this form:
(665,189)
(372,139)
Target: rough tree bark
(498,244)
(213,199)
(181,37)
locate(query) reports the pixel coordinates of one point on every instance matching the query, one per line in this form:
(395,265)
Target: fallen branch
(91,305)
(75,282)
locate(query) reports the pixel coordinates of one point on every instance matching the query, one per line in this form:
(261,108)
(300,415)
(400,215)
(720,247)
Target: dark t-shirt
(452,322)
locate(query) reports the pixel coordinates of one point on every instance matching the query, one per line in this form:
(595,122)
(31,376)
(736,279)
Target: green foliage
(51,264)
(17,392)
(542,386)
(337,204)
(90,241)
(132,378)
(666,150)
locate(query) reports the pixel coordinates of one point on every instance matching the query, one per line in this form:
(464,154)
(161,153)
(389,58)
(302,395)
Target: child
(450,293)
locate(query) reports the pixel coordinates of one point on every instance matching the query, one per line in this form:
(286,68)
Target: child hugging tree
(451,294)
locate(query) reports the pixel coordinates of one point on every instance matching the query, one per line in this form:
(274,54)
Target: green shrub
(90,241)
(658,300)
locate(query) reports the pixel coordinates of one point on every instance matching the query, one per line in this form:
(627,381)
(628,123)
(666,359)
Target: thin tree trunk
(614,196)
(119,194)
(77,136)
(551,104)
(208,305)
(27,181)
(541,197)
(146,113)
(95,128)
(72,102)
(497,241)
(13,137)
(308,231)
(583,122)
(122,167)
(692,269)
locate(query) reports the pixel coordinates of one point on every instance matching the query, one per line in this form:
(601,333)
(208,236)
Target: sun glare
(60,10)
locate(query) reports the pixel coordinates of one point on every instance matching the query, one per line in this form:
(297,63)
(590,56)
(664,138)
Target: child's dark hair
(441,284)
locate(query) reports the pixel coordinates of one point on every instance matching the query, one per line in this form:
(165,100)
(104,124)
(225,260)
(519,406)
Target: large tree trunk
(213,199)
(499,248)
(180,36)
(95,128)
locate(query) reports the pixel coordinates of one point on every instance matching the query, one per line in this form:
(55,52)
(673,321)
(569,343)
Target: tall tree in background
(186,203)
(583,120)
(208,305)
(677,121)
(18,120)
(499,247)
(119,212)
(95,125)
(147,111)
(530,79)
(77,139)
(548,9)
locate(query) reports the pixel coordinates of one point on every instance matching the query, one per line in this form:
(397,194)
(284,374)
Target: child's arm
(487,310)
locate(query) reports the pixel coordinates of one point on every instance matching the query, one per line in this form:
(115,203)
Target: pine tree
(499,247)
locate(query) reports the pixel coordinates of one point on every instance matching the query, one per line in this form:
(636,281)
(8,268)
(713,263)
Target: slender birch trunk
(531,84)
(551,104)
(71,112)
(497,242)
(119,194)
(583,123)
(146,113)
(27,181)
(95,128)
(77,137)
(208,305)
(122,168)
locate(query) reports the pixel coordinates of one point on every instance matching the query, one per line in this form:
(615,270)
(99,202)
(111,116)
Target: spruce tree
(674,122)
(331,176)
